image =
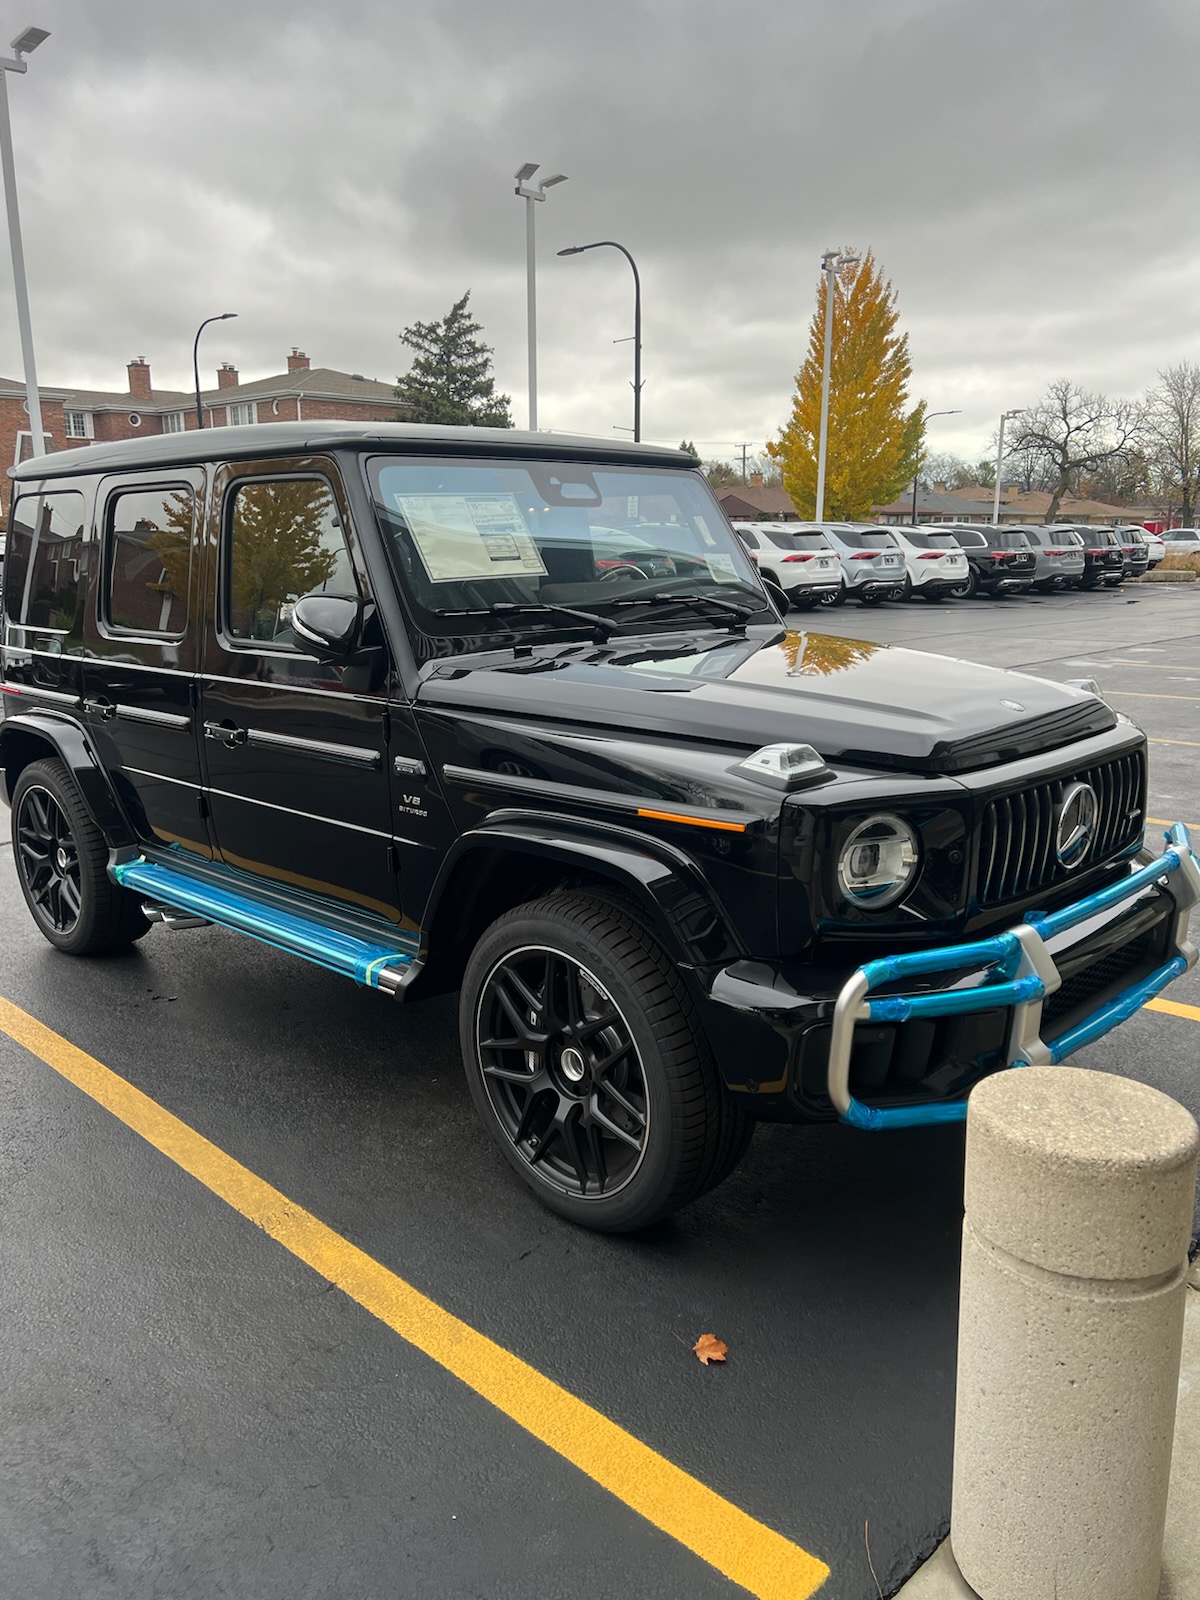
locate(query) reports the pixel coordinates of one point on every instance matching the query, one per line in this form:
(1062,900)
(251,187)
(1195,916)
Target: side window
(44,562)
(147,558)
(283,539)
(747,538)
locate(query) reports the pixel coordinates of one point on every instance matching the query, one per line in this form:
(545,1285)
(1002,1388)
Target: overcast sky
(1025,172)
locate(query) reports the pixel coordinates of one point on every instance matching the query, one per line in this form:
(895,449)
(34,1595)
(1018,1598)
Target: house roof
(766,499)
(264,439)
(318,382)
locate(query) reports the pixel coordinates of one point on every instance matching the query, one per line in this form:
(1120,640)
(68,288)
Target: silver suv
(872,562)
(804,565)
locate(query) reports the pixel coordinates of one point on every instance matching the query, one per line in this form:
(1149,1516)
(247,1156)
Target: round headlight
(878,862)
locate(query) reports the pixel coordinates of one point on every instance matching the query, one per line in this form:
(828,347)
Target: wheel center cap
(60,859)
(574,1067)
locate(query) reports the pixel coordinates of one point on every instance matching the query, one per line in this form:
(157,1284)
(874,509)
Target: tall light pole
(1005,416)
(223,316)
(531,193)
(957,412)
(578,249)
(21,46)
(831,264)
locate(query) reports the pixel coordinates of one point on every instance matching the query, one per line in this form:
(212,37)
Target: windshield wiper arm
(603,627)
(738,614)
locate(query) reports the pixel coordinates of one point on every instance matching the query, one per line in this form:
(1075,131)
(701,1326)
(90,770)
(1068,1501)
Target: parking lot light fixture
(600,244)
(832,263)
(224,316)
(1005,416)
(957,412)
(532,192)
(21,46)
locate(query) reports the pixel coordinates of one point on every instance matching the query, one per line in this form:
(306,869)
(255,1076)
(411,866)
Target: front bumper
(773,1026)
(1016,971)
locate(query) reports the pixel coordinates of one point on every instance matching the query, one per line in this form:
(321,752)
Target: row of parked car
(827,563)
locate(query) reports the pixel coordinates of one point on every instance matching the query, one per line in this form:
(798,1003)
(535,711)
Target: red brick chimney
(756,480)
(139,378)
(297,361)
(227,376)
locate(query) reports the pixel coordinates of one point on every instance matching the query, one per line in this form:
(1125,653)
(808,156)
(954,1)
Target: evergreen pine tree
(450,380)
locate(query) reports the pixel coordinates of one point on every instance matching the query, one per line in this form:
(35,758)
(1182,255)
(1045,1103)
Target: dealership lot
(194,1410)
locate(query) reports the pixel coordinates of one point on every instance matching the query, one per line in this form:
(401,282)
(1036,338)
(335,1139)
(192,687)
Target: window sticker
(705,531)
(721,568)
(470,536)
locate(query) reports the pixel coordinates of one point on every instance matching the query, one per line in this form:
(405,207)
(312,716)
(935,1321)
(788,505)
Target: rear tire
(589,1067)
(834,597)
(62,866)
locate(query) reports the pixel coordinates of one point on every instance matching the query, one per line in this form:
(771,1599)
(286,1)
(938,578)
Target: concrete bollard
(1080,1188)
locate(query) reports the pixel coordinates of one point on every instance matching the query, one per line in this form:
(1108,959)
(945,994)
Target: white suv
(803,563)
(935,562)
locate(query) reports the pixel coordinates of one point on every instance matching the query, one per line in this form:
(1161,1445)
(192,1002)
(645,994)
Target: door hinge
(202,807)
(392,859)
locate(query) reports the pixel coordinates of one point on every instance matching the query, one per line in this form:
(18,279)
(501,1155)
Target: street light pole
(531,193)
(21,47)
(831,264)
(578,249)
(957,412)
(224,316)
(1004,417)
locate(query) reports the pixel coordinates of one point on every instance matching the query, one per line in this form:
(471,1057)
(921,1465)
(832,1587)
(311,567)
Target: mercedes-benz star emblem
(1077,817)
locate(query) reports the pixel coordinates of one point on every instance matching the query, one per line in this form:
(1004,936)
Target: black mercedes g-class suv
(383,698)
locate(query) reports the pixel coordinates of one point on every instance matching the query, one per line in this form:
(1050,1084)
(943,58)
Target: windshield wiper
(603,627)
(739,615)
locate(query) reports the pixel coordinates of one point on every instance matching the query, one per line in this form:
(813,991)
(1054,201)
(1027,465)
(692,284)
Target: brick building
(75,418)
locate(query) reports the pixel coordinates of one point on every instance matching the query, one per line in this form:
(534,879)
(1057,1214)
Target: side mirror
(329,624)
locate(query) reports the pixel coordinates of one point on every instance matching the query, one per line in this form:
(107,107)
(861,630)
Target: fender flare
(665,883)
(23,732)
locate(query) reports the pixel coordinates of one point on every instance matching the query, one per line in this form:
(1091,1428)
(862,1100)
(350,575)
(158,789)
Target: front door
(295,749)
(141,654)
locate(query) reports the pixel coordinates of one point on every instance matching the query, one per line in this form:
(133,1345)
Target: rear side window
(747,538)
(147,559)
(969,539)
(44,561)
(284,539)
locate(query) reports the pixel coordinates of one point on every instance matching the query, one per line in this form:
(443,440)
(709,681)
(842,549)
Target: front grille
(1111,969)
(1016,853)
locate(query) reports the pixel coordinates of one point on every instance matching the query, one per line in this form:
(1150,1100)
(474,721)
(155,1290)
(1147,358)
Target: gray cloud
(1023,173)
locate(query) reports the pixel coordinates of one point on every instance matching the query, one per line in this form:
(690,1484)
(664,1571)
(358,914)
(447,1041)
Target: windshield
(866,538)
(931,541)
(467,536)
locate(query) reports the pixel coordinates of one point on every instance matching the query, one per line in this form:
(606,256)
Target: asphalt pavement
(192,1410)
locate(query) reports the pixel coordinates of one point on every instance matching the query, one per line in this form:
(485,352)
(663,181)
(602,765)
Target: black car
(1135,552)
(378,696)
(1002,560)
(1104,556)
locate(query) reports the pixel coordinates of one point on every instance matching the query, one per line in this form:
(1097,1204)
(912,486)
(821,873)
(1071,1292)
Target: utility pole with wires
(743,448)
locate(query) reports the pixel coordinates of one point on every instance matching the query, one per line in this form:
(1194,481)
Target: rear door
(295,749)
(141,654)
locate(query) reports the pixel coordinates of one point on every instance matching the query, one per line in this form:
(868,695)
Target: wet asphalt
(189,1411)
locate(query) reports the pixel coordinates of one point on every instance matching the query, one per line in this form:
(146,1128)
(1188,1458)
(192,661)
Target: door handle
(224,733)
(102,710)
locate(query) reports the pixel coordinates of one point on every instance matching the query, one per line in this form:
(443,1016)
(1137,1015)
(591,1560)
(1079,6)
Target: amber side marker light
(694,822)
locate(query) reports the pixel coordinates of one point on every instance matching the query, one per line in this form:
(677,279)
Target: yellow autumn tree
(873,436)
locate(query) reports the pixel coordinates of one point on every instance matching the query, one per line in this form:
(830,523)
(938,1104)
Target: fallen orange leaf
(709,1348)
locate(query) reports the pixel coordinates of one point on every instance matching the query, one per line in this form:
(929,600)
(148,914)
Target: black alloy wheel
(968,588)
(48,860)
(589,1067)
(834,597)
(61,858)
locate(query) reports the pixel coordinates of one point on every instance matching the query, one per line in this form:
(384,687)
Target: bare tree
(1071,431)
(1173,434)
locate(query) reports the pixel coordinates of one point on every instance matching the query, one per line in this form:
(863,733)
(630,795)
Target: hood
(867,704)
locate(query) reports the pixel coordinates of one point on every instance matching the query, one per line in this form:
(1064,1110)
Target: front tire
(589,1067)
(62,867)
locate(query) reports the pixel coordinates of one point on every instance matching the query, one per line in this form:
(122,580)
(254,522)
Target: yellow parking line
(1161,822)
(1192,744)
(744,1550)
(1174,1009)
(1140,694)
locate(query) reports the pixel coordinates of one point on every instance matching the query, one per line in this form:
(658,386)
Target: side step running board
(378,966)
